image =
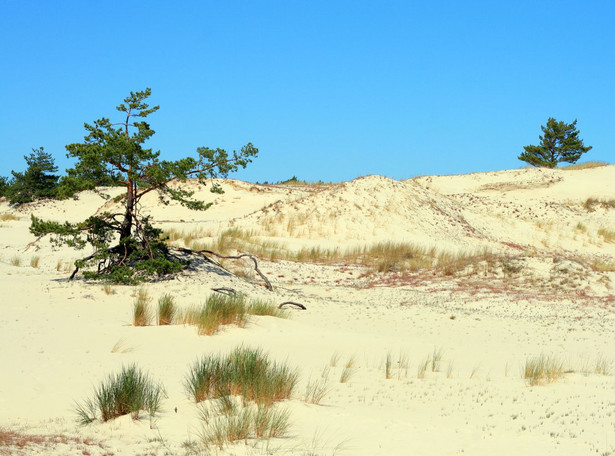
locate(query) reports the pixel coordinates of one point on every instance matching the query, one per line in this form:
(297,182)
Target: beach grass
(128,392)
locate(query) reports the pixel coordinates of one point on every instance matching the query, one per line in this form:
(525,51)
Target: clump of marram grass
(142,315)
(244,372)
(166,310)
(222,310)
(542,369)
(16,261)
(128,392)
(261,307)
(227,421)
(34,261)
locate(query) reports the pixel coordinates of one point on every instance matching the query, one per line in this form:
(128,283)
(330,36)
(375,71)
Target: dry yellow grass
(585,165)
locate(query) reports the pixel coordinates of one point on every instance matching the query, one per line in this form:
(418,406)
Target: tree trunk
(126,230)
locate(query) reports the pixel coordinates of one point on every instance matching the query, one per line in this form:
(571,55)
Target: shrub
(128,392)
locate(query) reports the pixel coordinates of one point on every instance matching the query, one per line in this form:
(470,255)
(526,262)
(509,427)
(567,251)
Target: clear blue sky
(327,90)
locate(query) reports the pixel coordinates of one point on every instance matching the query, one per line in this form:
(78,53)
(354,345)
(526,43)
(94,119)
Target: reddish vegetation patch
(12,442)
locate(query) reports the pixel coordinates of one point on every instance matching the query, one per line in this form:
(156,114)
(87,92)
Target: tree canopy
(560,142)
(126,246)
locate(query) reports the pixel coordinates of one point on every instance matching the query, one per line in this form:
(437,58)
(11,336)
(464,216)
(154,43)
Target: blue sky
(327,90)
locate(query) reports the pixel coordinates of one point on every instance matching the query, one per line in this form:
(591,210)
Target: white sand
(56,337)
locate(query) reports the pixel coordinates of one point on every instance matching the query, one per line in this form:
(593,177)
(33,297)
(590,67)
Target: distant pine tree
(560,143)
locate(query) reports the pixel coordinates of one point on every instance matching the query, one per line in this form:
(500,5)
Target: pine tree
(36,182)
(560,142)
(114,154)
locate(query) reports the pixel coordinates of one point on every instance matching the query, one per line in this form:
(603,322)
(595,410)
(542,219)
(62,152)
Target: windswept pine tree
(36,182)
(127,248)
(560,142)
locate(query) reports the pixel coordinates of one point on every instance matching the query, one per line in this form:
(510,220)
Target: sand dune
(547,289)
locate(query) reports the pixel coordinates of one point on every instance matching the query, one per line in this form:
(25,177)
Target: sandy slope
(57,337)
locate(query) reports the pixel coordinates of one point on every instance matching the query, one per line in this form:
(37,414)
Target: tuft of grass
(222,310)
(166,310)
(603,366)
(120,347)
(422,367)
(607,235)
(316,390)
(141,310)
(388,366)
(244,372)
(34,261)
(265,308)
(108,289)
(5,217)
(335,357)
(16,261)
(349,370)
(242,423)
(128,392)
(436,359)
(585,165)
(542,369)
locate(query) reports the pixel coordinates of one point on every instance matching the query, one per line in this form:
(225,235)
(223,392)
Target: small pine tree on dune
(36,182)
(127,248)
(560,143)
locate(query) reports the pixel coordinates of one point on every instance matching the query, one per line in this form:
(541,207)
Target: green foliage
(36,182)
(128,392)
(127,248)
(560,142)
(4,186)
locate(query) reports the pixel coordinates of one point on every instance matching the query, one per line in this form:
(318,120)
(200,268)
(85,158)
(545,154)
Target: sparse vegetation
(317,389)
(585,165)
(591,204)
(542,369)
(607,235)
(166,310)
(16,261)
(244,372)
(34,261)
(349,370)
(128,392)
(6,217)
(142,315)
(227,421)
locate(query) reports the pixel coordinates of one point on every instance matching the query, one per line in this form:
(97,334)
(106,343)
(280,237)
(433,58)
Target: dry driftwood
(291,303)
(233,257)
(225,290)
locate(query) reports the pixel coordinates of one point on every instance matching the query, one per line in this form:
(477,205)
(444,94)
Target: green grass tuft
(166,310)
(128,392)
(244,372)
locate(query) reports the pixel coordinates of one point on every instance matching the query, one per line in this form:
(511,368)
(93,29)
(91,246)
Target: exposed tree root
(225,290)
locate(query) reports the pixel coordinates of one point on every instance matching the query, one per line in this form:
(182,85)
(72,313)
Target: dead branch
(233,257)
(225,290)
(291,303)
